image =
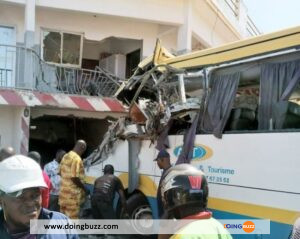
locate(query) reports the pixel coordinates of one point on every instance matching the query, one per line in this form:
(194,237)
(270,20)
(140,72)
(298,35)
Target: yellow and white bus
(253,165)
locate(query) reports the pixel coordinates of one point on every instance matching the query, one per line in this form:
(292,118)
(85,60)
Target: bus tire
(138,208)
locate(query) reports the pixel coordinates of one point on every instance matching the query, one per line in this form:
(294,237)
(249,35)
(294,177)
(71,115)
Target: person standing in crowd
(46,191)
(6,153)
(163,162)
(103,196)
(21,182)
(184,191)
(72,190)
(52,169)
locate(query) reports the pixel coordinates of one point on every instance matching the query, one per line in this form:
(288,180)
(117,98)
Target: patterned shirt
(296,230)
(52,170)
(71,166)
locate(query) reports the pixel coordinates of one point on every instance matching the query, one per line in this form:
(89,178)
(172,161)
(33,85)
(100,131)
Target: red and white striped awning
(85,103)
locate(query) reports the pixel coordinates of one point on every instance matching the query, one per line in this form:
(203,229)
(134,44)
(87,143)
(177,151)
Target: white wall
(10,126)
(13,16)
(92,49)
(140,9)
(97,23)
(168,37)
(97,28)
(209,29)
(149,10)
(239,22)
(123,46)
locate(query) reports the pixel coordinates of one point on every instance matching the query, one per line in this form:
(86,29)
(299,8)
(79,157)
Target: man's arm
(77,172)
(78,183)
(123,199)
(122,196)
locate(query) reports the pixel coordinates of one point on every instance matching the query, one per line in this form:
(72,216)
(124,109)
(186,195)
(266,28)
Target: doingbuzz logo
(247,226)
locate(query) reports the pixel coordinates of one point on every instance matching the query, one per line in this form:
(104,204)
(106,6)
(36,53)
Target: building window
(7,56)
(62,48)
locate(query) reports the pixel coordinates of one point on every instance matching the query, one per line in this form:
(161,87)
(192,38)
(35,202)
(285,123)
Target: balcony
(236,12)
(22,68)
(252,30)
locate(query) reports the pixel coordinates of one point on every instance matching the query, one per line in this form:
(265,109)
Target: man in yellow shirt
(72,191)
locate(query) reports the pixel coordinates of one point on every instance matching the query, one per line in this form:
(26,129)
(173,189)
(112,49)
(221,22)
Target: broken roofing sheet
(156,92)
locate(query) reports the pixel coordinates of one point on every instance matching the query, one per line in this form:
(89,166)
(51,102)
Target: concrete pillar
(29,23)
(26,56)
(184,36)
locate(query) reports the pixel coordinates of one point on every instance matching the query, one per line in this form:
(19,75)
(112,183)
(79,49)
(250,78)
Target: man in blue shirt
(163,162)
(21,181)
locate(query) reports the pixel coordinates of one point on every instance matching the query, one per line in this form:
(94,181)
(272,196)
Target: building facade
(63,49)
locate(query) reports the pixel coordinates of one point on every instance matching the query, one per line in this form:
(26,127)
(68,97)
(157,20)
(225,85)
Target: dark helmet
(184,185)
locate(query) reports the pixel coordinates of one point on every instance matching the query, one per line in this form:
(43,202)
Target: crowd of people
(57,192)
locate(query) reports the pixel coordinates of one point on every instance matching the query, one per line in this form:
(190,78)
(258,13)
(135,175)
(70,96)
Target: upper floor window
(62,48)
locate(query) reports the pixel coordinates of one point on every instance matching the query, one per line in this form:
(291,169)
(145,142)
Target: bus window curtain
(187,150)
(163,138)
(220,102)
(277,82)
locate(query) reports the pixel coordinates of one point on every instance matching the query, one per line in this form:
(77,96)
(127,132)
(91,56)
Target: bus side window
(243,116)
(279,99)
(292,117)
(242,119)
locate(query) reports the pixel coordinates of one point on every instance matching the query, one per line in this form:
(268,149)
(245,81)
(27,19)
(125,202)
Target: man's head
(6,153)
(108,169)
(163,159)
(20,196)
(35,156)
(59,155)
(184,191)
(80,147)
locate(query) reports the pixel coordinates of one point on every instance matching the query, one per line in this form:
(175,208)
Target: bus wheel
(139,208)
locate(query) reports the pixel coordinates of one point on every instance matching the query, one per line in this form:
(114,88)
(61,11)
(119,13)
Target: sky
(274,15)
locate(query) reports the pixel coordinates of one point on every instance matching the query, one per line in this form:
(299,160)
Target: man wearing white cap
(21,181)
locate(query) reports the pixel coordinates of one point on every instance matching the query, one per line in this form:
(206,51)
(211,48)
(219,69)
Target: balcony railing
(17,65)
(251,28)
(67,80)
(23,68)
(5,76)
(236,12)
(233,6)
